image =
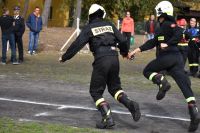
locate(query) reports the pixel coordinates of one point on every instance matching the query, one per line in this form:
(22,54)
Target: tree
(26,5)
(45,13)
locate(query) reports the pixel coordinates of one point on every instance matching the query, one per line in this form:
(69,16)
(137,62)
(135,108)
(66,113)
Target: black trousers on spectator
(19,43)
(184,52)
(193,57)
(105,72)
(127,35)
(172,63)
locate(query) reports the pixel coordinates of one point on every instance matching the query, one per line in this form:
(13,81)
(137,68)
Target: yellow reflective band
(161,38)
(117,94)
(152,75)
(182,44)
(194,64)
(193,39)
(100,101)
(190,99)
(108,113)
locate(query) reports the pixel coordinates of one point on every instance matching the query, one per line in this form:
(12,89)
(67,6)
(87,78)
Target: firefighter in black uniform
(19,31)
(169,59)
(103,37)
(183,44)
(193,54)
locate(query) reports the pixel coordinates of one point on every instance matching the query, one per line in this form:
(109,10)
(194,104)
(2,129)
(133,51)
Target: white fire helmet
(96,7)
(164,7)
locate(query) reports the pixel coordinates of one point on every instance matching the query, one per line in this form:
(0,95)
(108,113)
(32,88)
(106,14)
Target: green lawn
(78,70)
(11,126)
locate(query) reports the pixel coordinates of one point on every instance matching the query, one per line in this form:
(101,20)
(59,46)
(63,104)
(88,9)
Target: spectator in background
(127,28)
(193,53)
(7,27)
(150,27)
(34,23)
(19,31)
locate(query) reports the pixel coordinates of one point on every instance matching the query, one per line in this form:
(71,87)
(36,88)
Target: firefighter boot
(132,106)
(194,116)
(107,121)
(163,85)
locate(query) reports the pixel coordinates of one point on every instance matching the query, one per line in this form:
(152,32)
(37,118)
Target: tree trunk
(71,12)
(45,13)
(78,12)
(25,8)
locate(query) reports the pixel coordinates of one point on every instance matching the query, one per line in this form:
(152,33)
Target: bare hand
(125,56)
(132,54)
(163,45)
(60,60)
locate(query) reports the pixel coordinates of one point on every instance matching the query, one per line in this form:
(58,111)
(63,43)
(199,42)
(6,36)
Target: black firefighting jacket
(168,33)
(102,37)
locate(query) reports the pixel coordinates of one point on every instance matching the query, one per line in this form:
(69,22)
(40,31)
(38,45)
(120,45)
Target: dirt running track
(25,99)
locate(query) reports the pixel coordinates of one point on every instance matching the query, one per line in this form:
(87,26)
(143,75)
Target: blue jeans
(150,36)
(11,39)
(33,41)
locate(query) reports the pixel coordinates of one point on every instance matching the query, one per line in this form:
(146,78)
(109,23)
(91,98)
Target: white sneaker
(3,63)
(16,63)
(29,52)
(34,52)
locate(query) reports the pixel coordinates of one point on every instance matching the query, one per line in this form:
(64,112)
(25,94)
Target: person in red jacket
(127,28)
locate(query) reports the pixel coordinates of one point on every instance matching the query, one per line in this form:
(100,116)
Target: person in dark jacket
(34,23)
(193,54)
(183,44)
(103,37)
(150,27)
(169,59)
(7,28)
(19,31)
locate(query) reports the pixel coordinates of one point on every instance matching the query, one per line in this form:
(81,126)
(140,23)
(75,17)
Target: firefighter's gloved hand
(163,45)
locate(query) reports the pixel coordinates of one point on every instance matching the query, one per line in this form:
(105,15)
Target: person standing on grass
(34,23)
(169,59)
(150,27)
(193,53)
(19,31)
(7,27)
(103,37)
(127,28)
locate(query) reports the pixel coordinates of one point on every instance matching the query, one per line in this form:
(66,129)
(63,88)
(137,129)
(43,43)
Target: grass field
(79,69)
(10,126)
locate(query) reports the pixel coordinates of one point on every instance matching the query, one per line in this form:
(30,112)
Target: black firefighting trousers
(173,64)
(184,52)
(105,72)
(193,57)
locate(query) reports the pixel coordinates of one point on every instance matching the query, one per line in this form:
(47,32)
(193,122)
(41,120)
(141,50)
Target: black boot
(194,116)
(132,106)
(163,85)
(107,121)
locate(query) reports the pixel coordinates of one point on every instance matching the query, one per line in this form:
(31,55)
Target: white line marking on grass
(62,106)
(26,120)
(42,114)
